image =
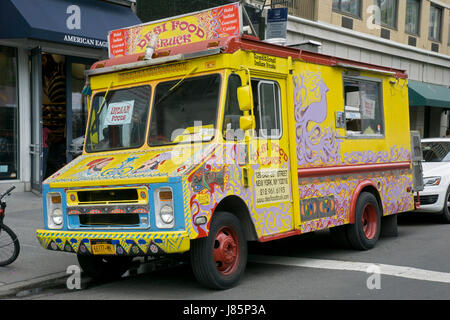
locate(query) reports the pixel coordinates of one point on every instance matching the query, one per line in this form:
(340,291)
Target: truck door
(269,155)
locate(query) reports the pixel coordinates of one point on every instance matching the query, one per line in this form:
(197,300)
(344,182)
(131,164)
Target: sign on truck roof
(215,23)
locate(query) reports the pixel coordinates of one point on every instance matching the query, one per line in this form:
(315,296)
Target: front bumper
(125,243)
(431,200)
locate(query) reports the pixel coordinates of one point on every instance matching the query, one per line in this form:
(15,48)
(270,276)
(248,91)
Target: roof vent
(151,47)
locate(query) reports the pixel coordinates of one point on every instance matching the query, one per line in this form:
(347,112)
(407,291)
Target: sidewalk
(35,265)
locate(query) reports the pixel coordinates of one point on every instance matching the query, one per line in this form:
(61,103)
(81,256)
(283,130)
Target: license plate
(103,248)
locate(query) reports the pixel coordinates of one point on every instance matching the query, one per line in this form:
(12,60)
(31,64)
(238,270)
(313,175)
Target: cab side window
(267,108)
(363,107)
(231,128)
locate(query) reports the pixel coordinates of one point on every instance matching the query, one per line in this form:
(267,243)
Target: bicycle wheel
(9,246)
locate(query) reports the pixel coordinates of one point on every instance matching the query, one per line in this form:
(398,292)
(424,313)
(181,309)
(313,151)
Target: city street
(155,139)
(414,265)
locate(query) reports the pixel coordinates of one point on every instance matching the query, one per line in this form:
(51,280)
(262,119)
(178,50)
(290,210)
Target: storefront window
(79,108)
(9,132)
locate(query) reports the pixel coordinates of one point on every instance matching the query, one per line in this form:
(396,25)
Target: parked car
(435,198)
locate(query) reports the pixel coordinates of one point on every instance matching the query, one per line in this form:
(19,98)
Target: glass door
(77,107)
(36,149)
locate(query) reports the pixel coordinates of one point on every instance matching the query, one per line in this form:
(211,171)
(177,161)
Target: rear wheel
(446,210)
(218,261)
(104,267)
(364,233)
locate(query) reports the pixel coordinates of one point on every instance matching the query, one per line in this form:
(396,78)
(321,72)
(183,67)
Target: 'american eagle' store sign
(210,24)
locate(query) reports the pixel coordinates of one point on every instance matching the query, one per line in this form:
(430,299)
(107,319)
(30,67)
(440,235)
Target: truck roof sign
(215,23)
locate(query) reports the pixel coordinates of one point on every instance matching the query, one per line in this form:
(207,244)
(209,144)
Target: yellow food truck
(201,138)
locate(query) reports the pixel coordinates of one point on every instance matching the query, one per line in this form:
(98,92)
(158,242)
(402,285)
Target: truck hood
(137,167)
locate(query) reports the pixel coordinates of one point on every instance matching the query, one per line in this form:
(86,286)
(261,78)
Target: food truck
(201,138)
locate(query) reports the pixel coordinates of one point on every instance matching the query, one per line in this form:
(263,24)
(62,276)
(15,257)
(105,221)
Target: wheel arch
(235,205)
(364,186)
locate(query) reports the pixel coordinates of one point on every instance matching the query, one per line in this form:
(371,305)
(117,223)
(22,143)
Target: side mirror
(246,122)
(244,95)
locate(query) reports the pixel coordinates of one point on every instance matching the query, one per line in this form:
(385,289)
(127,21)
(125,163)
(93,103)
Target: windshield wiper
(104,99)
(168,93)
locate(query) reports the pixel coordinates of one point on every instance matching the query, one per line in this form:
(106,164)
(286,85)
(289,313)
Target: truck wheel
(104,267)
(364,233)
(446,210)
(218,260)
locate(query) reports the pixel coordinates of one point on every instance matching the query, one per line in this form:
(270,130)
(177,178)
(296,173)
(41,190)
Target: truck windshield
(185,110)
(118,119)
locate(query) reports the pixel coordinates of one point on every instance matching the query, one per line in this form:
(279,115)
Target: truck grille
(118,207)
(108,196)
(109,219)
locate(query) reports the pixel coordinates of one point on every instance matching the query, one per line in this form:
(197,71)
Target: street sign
(276,23)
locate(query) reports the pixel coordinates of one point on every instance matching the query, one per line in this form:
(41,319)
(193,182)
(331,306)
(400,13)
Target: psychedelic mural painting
(318,146)
(221,176)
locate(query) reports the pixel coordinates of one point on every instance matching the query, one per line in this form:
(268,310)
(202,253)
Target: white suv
(436,177)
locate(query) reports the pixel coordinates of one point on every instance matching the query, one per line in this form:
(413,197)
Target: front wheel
(364,233)
(218,260)
(104,267)
(446,210)
(9,246)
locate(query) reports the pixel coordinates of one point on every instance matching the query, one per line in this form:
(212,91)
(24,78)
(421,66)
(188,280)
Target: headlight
(164,212)
(55,218)
(431,181)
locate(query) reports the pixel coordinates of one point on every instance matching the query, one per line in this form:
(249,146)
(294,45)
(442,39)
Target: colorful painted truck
(212,138)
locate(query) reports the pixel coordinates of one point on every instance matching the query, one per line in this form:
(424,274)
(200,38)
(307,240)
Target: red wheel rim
(226,250)
(369,221)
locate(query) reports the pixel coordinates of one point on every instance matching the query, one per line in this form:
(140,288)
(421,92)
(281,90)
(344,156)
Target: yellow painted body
(279,200)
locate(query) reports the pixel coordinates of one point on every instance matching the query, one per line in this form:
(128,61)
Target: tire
(104,267)
(445,215)
(364,233)
(9,246)
(218,260)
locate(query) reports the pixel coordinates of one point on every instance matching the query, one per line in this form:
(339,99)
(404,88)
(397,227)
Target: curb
(43,282)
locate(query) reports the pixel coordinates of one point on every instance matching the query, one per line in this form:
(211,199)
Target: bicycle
(9,243)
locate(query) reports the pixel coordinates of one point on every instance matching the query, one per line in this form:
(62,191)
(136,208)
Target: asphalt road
(414,265)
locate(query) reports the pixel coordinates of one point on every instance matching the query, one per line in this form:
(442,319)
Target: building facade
(413,35)
(44,50)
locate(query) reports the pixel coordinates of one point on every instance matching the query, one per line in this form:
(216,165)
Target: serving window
(363,107)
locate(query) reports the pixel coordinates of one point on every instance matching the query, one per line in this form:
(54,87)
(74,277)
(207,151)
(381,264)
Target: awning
(427,94)
(78,22)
